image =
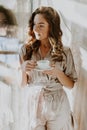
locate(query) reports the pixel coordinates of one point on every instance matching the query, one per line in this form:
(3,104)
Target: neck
(45,44)
(44,49)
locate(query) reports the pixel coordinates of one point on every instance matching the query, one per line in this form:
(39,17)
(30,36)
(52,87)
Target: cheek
(46,32)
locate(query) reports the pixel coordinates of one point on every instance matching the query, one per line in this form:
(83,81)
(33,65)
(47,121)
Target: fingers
(52,65)
(50,73)
(31,63)
(28,65)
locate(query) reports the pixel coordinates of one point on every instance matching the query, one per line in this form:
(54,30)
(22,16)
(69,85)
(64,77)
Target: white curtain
(11,95)
(75,17)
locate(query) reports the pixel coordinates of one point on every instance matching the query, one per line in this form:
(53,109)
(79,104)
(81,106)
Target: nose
(36,28)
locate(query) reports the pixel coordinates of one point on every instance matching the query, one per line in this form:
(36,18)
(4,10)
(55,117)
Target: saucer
(40,69)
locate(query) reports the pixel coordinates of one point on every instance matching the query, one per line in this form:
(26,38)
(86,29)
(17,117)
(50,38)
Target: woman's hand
(52,72)
(62,77)
(28,65)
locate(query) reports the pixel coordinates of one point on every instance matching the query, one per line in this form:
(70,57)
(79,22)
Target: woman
(48,104)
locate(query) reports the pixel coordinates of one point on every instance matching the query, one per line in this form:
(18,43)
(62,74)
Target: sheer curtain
(76,15)
(13,113)
(79,48)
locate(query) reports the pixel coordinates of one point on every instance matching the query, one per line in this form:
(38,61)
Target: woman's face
(41,27)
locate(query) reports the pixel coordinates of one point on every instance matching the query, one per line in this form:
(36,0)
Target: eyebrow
(40,23)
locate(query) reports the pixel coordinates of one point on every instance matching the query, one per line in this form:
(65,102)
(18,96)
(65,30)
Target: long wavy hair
(55,33)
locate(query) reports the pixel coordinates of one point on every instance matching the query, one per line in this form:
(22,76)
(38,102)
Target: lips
(37,35)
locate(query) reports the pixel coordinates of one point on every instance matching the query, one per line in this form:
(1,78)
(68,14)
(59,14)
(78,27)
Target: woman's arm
(67,77)
(24,78)
(63,78)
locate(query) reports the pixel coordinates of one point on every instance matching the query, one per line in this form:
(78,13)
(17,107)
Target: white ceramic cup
(43,64)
